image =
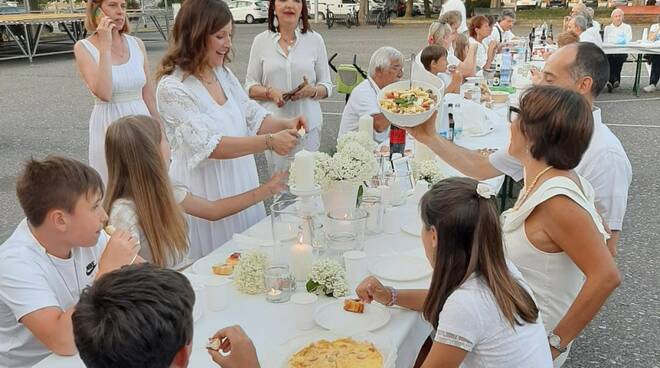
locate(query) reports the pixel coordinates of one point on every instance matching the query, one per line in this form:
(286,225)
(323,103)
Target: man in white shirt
(458,5)
(385,67)
(57,251)
(619,33)
(581,67)
(580,26)
(502,29)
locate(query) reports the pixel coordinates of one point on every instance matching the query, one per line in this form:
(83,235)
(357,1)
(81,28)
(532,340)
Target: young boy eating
(54,253)
(434,59)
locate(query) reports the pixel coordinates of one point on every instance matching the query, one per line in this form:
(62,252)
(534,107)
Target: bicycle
(351,18)
(329,17)
(383,18)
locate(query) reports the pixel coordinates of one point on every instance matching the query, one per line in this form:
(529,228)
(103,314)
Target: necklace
(289,43)
(529,188)
(75,270)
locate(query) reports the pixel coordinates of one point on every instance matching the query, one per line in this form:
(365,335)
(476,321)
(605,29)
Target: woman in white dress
(482,310)
(281,58)
(212,125)
(480,29)
(114,67)
(553,234)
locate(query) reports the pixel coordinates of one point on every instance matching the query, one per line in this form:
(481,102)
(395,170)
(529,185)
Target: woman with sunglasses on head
(478,303)
(554,234)
(115,68)
(288,55)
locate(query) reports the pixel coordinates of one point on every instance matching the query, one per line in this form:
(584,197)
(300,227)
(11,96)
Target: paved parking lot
(44,109)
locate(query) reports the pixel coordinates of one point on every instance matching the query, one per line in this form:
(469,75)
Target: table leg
(638,74)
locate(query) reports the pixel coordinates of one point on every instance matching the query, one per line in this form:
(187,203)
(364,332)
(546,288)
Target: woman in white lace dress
(114,67)
(482,310)
(553,234)
(281,57)
(213,127)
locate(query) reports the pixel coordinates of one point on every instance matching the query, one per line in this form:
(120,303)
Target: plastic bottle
(476,93)
(443,126)
(507,68)
(450,117)
(458,120)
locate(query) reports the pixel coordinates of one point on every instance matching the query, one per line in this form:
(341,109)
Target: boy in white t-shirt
(54,253)
(434,59)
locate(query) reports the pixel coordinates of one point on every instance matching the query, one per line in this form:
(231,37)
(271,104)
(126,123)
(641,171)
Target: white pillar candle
(304,162)
(301,258)
(366,124)
(422,152)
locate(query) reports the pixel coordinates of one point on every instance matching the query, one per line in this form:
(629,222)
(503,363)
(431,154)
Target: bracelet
(316,92)
(394,294)
(269,142)
(268,90)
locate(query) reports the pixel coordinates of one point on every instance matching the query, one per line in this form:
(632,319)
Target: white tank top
(553,277)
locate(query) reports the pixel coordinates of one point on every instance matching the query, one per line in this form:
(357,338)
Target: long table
(637,49)
(271,326)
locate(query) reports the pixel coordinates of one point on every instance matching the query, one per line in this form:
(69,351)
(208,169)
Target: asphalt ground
(45,107)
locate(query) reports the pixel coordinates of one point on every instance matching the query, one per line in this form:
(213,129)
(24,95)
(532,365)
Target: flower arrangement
(328,278)
(427,170)
(352,162)
(249,273)
(361,138)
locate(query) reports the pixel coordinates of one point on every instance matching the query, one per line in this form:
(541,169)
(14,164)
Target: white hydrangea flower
(331,278)
(249,273)
(353,164)
(427,170)
(361,138)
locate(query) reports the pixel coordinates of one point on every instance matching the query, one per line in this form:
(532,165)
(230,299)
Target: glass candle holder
(279,284)
(375,209)
(344,231)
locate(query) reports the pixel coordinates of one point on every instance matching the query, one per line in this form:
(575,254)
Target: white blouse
(269,65)
(620,34)
(482,53)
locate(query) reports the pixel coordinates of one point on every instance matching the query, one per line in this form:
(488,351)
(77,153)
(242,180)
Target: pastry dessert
(109,230)
(223,269)
(341,353)
(233,259)
(214,344)
(353,305)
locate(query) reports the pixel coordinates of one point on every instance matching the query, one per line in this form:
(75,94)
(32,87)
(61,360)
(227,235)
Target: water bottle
(476,93)
(458,120)
(507,68)
(443,126)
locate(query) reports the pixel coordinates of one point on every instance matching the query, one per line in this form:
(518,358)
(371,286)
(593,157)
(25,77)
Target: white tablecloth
(271,326)
(636,47)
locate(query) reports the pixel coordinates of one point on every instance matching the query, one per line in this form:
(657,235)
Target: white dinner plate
(332,316)
(400,267)
(204,265)
(412,226)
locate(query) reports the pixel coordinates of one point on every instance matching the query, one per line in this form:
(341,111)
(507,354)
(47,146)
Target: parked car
(557,4)
(528,4)
(311,9)
(4,10)
(249,10)
(615,3)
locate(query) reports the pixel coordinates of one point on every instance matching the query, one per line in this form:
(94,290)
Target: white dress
(195,125)
(554,278)
(128,79)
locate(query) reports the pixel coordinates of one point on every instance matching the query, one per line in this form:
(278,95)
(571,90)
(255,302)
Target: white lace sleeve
(254,113)
(187,127)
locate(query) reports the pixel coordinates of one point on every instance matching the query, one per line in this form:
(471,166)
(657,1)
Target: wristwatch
(555,342)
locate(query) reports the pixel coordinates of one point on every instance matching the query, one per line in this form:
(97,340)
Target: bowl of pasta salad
(408,107)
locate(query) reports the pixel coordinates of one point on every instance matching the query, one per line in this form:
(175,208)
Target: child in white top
(434,59)
(141,199)
(57,251)
(479,304)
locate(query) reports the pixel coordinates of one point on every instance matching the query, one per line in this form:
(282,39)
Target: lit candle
(274,293)
(301,258)
(366,124)
(304,162)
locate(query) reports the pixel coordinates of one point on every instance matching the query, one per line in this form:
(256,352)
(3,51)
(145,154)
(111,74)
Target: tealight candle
(304,163)
(366,124)
(301,256)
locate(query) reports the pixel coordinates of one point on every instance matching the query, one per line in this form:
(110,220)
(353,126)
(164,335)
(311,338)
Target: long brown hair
(469,241)
(137,171)
(304,17)
(194,23)
(461,44)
